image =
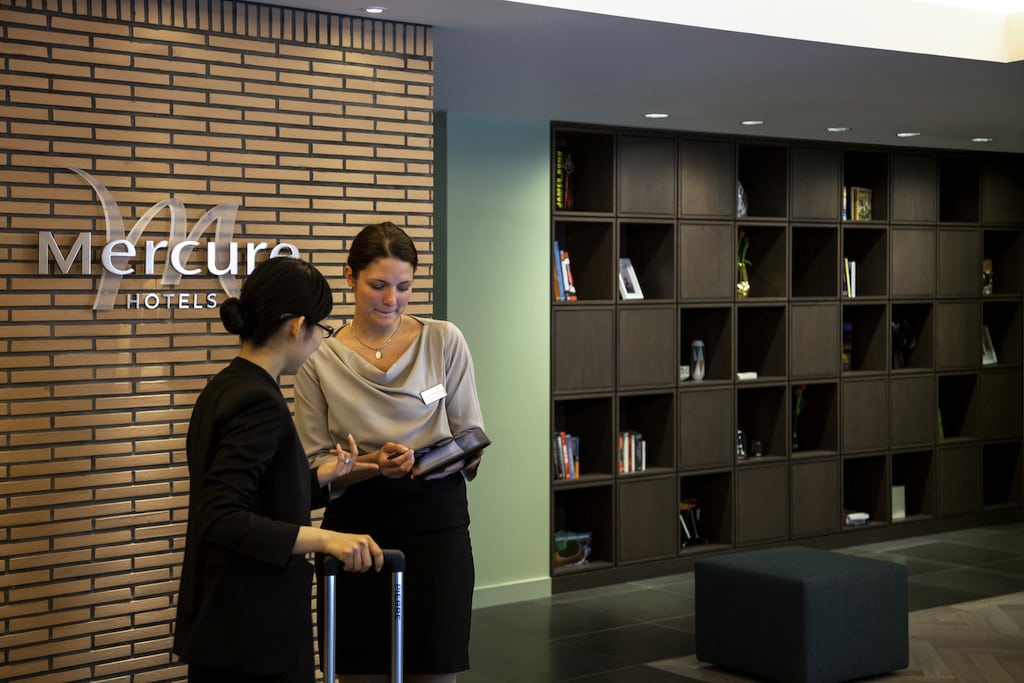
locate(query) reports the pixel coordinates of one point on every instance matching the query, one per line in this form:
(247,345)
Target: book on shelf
(564,167)
(845,213)
(899,501)
(988,350)
(570,282)
(860,203)
(847,345)
(559,282)
(849,278)
(571,548)
(563,281)
(632,456)
(565,456)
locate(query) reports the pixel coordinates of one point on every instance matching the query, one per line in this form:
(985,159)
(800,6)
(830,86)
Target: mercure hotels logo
(126,254)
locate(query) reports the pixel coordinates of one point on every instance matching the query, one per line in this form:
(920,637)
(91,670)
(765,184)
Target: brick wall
(311,124)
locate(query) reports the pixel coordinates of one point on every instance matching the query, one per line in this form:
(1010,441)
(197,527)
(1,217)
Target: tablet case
(460,446)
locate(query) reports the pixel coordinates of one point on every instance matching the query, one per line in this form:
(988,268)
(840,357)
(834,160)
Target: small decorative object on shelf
(904,341)
(847,354)
(741,445)
(741,201)
(798,407)
(571,548)
(684,373)
(629,285)
(697,360)
(742,263)
(757,449)
(986,277)
(689,515)
(988,350)
(856,518)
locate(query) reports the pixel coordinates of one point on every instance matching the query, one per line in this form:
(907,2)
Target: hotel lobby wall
(288,127)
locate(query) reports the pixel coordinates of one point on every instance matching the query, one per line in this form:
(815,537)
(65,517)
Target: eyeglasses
(328,330)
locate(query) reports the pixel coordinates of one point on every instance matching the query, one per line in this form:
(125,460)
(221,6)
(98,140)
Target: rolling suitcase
(393,559)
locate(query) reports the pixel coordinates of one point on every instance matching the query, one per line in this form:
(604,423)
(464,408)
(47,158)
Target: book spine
(558,273)
(570,284)
(559,179)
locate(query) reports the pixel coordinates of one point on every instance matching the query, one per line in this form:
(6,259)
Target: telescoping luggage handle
(393,560)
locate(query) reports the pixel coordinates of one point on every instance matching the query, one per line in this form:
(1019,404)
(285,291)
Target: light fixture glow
(752,122)
(981,139)
(655,115)
(907,135)
(375,10)
(837,129)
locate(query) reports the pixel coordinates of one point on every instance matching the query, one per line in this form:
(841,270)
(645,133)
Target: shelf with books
(913,485)
(867,169)
(1001,474)
(711,325)
(959,189)
(814,419)
(761,341)
(1004,250)
(590,420)
(650,247)
(864,337)
(589,246)
(866,247)
(913,410)
(866,489)
(762,172)
(814,491)
(912,336)
(763,249)
(706,514)
(814,253)
(586,511)
(958,407)
(958,262)
(583,165)
(647,418)
(761,417)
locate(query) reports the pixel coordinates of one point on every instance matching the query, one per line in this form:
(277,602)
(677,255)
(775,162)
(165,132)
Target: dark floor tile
(914,565)
(1014,566)
(973,580)
(513,658)
(633,674)
(645,604)
(636,644)
(546,619)
(923,596)
(953,553)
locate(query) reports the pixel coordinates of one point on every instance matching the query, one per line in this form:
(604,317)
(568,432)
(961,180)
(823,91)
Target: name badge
(434,393)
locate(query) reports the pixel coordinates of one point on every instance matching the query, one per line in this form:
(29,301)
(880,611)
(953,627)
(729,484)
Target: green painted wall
(492,243)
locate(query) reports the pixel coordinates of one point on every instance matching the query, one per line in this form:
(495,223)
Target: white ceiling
(512,60)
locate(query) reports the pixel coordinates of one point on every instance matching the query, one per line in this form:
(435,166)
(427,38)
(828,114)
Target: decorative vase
(697,360)
(795,446)
(743,283)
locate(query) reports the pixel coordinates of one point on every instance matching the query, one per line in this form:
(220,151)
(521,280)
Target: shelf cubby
(1001,474)
(646,174)
(1005,248)
(713,492)
(911,325)
(707,178)
(647,348)
(915,183)
(815,255)
(703,248)
(816,432)
(591,249)
(1002,202)
(650,247)
(713,326)
(864,338)
(959,189)
(814,183)
(761,169)
(958,407)
(767,255)
(913,410)
(913,262)
(869,169)
(707,431)
(591,181)
(761,416)
(914,471)
(1001,406)
(867,247)
(814,491)
(762,503)
(959,479)
(1003,320)
(957,335)
(646,519)
(761,341)
(587,509)
(583,349)
(591,420)
(814,342)
(959,262)
(866,489)
(651,416)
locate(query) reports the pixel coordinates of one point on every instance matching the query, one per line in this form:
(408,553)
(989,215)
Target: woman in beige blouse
(396,382)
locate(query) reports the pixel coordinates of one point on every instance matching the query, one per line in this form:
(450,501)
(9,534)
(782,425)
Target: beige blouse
(428,394)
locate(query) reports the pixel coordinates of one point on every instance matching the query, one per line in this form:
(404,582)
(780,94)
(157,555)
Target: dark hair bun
(232,314)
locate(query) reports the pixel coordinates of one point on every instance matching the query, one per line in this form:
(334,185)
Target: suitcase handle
(393,559)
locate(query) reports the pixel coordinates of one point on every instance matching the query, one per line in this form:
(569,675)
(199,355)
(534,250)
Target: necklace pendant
(377,355)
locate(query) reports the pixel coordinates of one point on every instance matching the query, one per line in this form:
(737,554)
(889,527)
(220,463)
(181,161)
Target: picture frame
(629,285)
(988,350)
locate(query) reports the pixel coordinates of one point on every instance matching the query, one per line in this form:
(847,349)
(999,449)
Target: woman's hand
(394,460)
(357,552)
(345,461)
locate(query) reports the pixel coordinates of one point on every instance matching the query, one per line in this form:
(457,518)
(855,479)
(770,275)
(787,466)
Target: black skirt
(429,522)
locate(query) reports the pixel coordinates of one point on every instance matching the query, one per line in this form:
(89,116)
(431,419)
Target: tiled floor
(605,635)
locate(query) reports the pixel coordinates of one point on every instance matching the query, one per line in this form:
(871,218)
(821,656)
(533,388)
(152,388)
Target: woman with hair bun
(246,585)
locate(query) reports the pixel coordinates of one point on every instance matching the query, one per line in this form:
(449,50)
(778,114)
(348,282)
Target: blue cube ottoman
(801,615)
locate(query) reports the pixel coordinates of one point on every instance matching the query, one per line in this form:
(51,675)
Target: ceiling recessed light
(375,10)
(981,139)
(907,135)
(655,115)
(837,129)
(752,122)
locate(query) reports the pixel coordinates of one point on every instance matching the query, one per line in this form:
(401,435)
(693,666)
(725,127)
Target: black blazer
(244,600)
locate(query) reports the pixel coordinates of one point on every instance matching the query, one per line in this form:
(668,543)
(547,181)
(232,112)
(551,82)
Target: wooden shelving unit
(895,396)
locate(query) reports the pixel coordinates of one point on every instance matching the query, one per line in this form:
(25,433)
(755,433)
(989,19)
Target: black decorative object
(903,343)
